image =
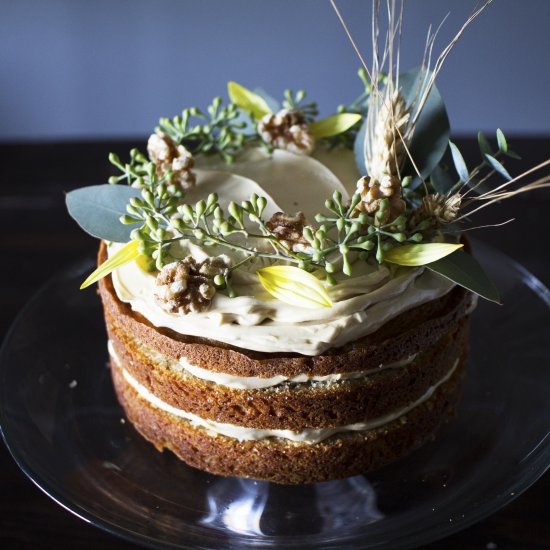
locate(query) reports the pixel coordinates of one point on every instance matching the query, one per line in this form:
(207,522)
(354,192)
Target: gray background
(110,68)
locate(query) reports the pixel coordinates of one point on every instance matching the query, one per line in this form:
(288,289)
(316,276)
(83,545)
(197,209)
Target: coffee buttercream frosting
(254,320)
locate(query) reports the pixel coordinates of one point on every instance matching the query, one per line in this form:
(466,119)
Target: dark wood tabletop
(38,239)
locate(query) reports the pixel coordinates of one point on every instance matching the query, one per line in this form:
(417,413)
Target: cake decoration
(188,286)
(392,206)
(287,297)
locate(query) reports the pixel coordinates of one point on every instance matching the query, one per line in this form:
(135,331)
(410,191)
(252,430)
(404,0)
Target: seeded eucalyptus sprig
(137,170)
(158,203)
(343,233)
(346,231)
(296,102)
(164,221)
(219,130)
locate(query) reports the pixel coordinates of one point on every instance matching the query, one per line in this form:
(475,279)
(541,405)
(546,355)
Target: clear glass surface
(62,423)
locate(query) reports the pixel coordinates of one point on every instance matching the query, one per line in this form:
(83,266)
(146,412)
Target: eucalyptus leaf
(501,140)
(484,145)
(464,270)
(459,163)
(497,166)
(432,132)
(97,209)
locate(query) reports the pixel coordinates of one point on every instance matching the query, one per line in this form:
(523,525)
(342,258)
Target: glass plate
(65,429)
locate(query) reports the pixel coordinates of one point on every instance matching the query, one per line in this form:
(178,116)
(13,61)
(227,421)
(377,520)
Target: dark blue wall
(75,68)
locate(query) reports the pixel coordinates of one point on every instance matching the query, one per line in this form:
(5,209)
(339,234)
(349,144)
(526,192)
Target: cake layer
(405,335)
(283,461)
(290,406)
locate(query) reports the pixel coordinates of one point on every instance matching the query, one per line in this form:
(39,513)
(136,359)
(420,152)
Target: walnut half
(187,286)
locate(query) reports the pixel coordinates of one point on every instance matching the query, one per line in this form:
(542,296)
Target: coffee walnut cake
(287,298)
(290,418)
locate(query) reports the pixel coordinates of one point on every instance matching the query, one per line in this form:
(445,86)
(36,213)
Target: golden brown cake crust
(296,406)
(407,334)
(281,461)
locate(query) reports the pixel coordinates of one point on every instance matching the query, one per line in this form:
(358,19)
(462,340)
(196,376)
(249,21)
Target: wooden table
(39,239)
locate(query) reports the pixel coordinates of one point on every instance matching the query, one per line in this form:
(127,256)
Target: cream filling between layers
(241,433)
(257,382)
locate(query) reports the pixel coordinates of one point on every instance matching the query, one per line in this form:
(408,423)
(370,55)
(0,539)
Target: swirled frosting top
(254,320)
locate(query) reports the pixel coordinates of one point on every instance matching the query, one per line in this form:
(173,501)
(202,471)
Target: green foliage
(484,145)
(432,129)
(501,140)
(344,231)
(343,234)
(497,167)
(218,131)
(459,163)
(478,176)
(151,213)
(97,210)
(464,270)
(297,102)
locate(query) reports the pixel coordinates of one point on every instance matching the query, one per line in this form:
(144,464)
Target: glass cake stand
(64,427)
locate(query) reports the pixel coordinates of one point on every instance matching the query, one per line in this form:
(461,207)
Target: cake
(287,298)
(290,418)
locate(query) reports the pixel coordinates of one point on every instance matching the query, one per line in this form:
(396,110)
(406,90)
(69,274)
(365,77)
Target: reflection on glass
(347,502)
(252,507)
(237,504)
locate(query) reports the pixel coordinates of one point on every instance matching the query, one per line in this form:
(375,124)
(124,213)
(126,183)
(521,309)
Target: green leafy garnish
(220,130)
(459,163)
(497,167)
(393,217)
(98,208)
(501,140)
(464,270)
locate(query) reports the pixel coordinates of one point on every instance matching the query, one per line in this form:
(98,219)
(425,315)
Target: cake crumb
(491,546)
(123,421)
(73,384)
(111,466)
